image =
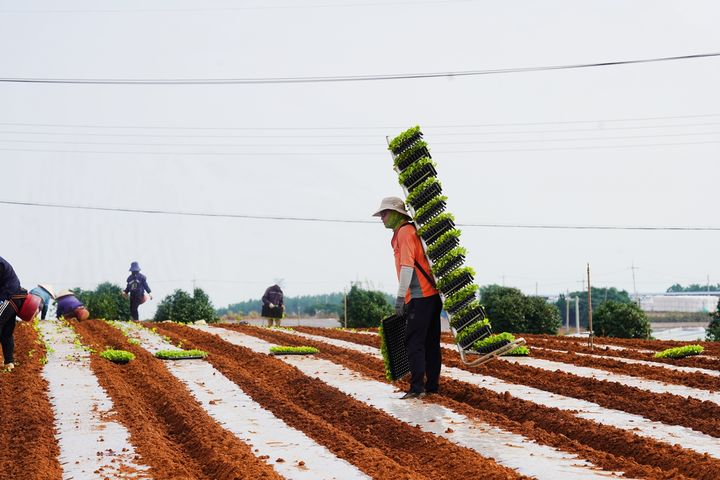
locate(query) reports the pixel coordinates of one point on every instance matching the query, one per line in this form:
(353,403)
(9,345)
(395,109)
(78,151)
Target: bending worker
(136,287)
(69,307)
(273,306)
(417,299)
(46,293)
(9,290)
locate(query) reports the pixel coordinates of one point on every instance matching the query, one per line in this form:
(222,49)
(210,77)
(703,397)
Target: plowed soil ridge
(171,431)
(27,432)
(605,439)
(287,392)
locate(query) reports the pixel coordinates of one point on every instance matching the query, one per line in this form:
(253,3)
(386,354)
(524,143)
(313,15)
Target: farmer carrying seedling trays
(417,299)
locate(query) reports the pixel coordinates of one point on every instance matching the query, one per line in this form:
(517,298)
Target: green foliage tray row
(398,143)
(413,169)
(680,352)
(117,356)
(288,350)
(180,354)
(521,351)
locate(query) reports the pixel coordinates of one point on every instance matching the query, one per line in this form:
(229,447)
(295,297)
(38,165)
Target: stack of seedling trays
(441,239)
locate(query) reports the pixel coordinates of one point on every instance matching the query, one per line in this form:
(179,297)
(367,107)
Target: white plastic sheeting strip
(91,445)
(302,457)
(672,434)
(506,448)
(713,373)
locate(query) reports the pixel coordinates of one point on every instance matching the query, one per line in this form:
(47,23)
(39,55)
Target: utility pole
(708,283)
(567,312)
(634,287)
(577,314)
(194,283)
(536,283)
(589,307)
(345,302)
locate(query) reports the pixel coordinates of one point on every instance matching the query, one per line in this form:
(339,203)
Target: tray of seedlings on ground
(418,177)
(680,352)
(180,354)
(287,350)
(117,356)
(392,347)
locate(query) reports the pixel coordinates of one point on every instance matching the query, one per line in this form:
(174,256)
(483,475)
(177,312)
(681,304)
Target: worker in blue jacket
(46,293)
(136,287)
(9,288)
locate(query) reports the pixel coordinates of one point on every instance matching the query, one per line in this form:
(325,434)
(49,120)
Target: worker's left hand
(399,306)
(150,295)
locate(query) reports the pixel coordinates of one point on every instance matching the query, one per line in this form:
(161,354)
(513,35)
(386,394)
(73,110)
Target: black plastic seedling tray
(475,336)
(394,336)
(424,172)
(433,212)
(490,348)
(456,262)
(413,157)
(407,143)
(458,306)
(448,244)
(430,192)
(476,314)
(457,284)
(433,233)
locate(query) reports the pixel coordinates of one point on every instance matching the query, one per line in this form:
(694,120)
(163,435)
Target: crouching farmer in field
(136,288)
(10,290)
(46,293)
(417,299)
(273,307)
(69,307)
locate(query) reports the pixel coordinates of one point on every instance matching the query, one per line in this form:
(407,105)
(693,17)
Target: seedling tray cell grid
(461,303)
(437,252)
(450,266)
(434,233)
(474,337)
(394,336)
(413,157)
(426,195)
(426,171)
(457,284)
(477,313)
(433,212)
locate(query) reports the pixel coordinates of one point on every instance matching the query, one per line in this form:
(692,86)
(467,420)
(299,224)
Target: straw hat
(48,288)
(63,293)
(391,203)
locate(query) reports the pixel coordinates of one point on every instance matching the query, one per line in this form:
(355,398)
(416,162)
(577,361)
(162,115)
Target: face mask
(394,219)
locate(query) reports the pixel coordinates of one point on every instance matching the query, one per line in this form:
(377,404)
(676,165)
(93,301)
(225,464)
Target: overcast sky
(633,145)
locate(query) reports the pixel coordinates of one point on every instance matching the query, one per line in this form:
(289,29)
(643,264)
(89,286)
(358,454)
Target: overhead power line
(340,220)
(361,127)
(347,78)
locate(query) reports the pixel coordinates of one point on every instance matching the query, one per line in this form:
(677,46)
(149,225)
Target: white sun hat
(391,203)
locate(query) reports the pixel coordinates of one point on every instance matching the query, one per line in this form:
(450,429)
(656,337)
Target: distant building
(679,303)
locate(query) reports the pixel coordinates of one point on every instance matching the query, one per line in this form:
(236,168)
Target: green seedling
(466,332)
(448,258)
(430,205)
(117,356)
(454,275)
(179,354)
(427,183)
(441,239)
(287,350)
(521,351)
(385,354)
(402,137)
(680,352)
(414,168)
(489,340)
(460,295)
(435,221)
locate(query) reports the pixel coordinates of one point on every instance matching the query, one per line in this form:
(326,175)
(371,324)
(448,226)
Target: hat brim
(379,212)
(48,289)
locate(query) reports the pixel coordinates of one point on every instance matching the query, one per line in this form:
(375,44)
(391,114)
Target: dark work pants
(134,304)
(7,328)
(422,341)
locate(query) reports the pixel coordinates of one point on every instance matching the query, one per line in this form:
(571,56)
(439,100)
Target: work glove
(150,295)
(399,306)
(271,305)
